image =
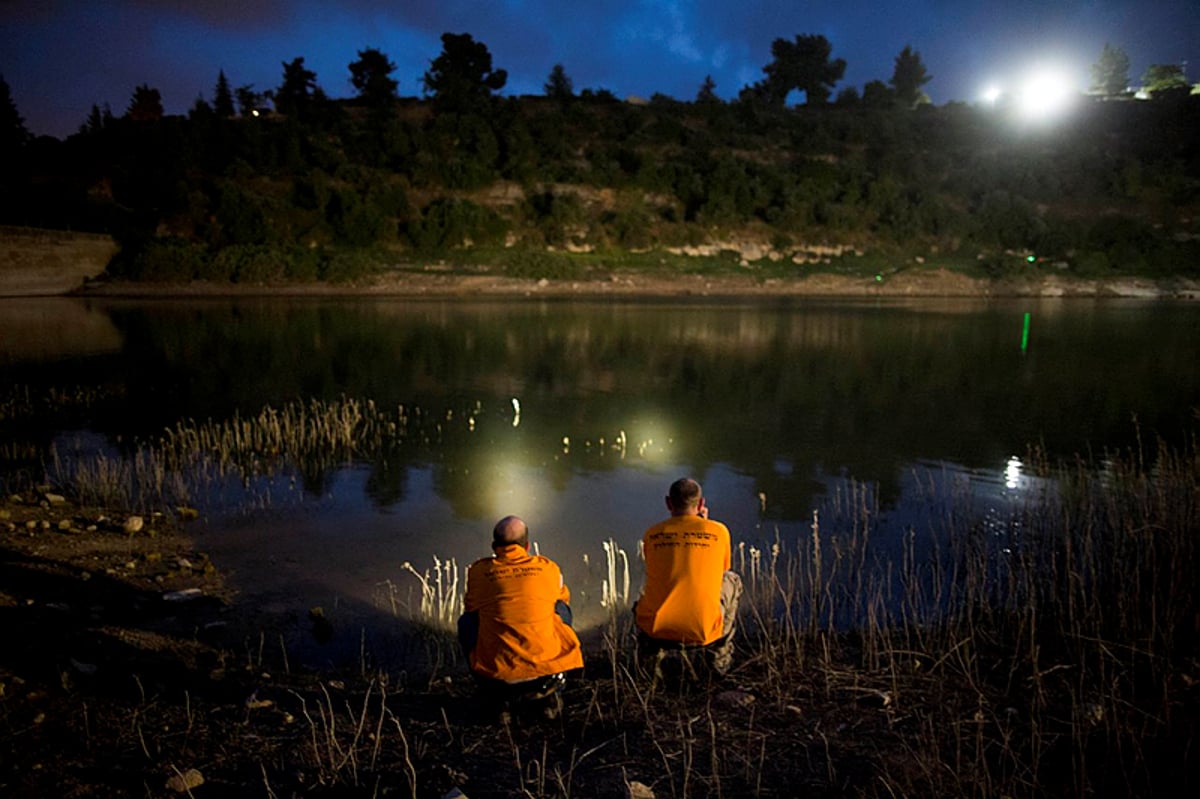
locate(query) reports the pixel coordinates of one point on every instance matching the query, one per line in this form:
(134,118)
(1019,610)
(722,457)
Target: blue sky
(61,56)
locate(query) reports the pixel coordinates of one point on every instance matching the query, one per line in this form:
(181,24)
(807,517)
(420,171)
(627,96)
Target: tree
(146,104)
(295,94)
(803,63)
(222,97)
(558,85)
(97,119)
(13,133)
(1163,78)
(371,76)
(248,100)
(908,77)
(462,78)
(708,91)
(1110,74)
(876,94)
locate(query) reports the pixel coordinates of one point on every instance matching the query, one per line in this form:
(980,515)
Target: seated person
(690,597)
(516,626)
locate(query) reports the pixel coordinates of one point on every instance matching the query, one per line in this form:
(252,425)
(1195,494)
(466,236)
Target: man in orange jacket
(691,595)
(516,624)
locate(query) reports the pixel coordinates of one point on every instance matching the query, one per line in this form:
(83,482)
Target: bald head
(510,530)
(685,497)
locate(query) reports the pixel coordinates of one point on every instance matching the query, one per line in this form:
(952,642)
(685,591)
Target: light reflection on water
(577,416)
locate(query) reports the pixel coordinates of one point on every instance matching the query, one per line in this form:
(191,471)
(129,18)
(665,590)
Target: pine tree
(223,97)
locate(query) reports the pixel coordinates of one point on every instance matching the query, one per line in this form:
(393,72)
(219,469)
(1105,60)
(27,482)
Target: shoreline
(932,283)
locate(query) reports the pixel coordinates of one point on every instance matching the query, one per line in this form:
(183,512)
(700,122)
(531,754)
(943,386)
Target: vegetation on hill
(309,188)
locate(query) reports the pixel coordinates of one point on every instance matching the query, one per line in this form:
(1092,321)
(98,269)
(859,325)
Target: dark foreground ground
(112,684)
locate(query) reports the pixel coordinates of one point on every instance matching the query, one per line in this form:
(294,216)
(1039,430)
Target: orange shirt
(520,635)
(686,560)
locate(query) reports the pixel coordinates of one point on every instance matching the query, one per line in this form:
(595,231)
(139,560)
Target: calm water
(576,415)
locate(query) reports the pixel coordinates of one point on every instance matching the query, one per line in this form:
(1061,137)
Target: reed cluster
(1050,652)
(195,463)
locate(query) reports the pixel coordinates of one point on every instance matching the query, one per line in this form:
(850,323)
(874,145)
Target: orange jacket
(686,560)
(520,635)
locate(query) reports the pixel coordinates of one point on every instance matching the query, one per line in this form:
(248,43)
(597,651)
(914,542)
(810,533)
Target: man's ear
(670,507)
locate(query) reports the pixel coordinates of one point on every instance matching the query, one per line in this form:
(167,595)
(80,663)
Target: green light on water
(1025,334)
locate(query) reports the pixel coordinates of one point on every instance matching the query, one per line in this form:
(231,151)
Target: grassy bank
(1051,654)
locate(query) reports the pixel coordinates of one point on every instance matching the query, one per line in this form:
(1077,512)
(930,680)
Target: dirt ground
(909,283)
(128,669)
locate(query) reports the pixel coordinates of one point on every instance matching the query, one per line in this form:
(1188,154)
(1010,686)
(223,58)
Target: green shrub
(250,263)
(535,265)
(163,260)
(451,222)
(347,266)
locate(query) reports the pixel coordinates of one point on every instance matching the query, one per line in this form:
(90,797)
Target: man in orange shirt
(516,624)
(691,595)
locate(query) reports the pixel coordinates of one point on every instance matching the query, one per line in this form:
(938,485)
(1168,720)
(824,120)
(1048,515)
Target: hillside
(568,190)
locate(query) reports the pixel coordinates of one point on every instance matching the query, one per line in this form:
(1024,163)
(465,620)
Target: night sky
(61,56)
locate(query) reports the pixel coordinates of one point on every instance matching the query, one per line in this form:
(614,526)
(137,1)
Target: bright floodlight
(1044,95)
(991,95)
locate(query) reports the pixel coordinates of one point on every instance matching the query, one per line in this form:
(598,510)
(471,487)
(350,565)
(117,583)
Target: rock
(5,514)
(56,499)
(183,596)
(734,698)
(454,793)
(184,781)
(86,669)
(184,564)
(638,790)
(31,524)
(64,525)
(186,513)
(134,524)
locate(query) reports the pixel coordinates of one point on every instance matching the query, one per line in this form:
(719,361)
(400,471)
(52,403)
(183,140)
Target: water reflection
(577,415)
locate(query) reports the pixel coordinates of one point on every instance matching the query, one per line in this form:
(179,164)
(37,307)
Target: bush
(451,222)
(250,263)
(347,266)
(163,260)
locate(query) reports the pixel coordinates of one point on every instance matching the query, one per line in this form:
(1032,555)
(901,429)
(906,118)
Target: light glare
(1045,94)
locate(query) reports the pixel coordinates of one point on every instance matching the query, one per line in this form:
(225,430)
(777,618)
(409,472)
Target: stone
(638,790)
(184,781)
(56,499)
(134,524)
(734,698)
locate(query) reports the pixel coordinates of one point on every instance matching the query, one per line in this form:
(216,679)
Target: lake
(576,415)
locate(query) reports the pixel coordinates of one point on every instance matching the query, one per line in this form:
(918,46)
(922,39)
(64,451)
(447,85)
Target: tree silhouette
(146,104)
(908,77)
(295,95)
(876,94)
(248,100)
(13,133)
(371,76)
(97,119)
(708,91)
(223,97)
(462,78)
(803,63)
(1164,78)
(558,86)
(1110,74)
